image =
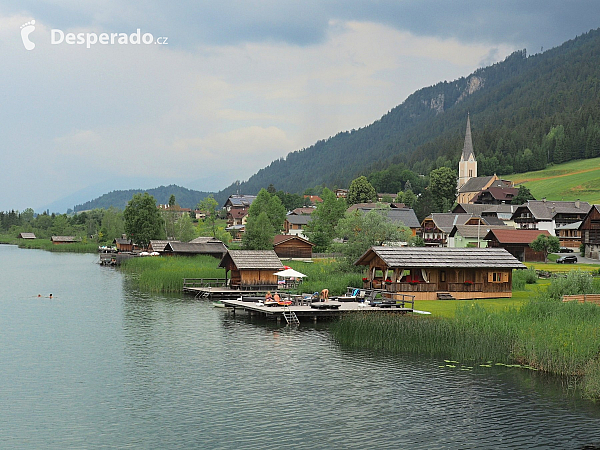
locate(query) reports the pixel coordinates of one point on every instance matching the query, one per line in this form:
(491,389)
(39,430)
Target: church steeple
(468,146)
(467,167)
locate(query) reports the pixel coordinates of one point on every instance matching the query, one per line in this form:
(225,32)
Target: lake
(102,365)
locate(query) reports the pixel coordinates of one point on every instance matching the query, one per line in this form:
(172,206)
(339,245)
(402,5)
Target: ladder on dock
(290,317)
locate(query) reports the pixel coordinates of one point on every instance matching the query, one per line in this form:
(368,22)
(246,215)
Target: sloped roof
(298,219)
(367,206)
(27,235)
(64,239)
(280,238)
(240,200)
(238,213)
(493,221)
(476,184)
(307,210)
(445,221)
(197,248)
(442,257)
(546,210)
(122,241)
(406,216)
(502,193)
(470,208)
(512,236)
(253,259)
(504,208)
(470,231)
(158,245)
(569,226)
(205,239)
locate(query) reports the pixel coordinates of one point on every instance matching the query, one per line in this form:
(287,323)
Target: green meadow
(570,181)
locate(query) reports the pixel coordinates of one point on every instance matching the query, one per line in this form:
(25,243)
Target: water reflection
(107,366)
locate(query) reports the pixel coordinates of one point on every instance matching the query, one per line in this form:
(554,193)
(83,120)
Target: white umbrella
(289,273)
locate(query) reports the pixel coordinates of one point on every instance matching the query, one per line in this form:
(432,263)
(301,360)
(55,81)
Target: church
(473,189)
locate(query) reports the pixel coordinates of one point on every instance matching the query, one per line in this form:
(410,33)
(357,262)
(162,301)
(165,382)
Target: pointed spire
(468,147)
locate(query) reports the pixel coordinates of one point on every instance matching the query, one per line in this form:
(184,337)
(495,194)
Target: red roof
(238,213)
(511,236)
(314,198)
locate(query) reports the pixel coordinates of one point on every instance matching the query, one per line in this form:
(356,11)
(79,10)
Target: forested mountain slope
(525,112)
(186,198)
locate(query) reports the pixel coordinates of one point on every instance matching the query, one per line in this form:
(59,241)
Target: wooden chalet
(516,242)
(123,244)
(496,195)
(590,233)
(436,227)
(468,192)
(569,235)
(251,269)
(296,223)
(439,272)
(214,248)
(291,246)
(26,236)
(59,240)
(549,215)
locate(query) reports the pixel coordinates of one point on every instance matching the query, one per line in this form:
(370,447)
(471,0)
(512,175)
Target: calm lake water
(104,366)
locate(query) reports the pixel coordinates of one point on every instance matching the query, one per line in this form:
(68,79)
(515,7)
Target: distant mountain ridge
(186,198)
(513,105)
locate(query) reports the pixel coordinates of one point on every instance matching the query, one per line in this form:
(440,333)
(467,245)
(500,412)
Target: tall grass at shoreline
(544,333)
(166,274)
(46,244)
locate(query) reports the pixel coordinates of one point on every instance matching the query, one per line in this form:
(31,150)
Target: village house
(438,272)
(549,215)
(236,207)
(176,210)
(26,236)
(436,227)
(569,235)
(158,245)
(295,224)
(463,236)
(251,269)
(314,199)
(516,242)
(590,233)
(496,195)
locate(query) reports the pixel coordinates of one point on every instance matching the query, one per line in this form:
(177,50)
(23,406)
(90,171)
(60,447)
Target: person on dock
(276,297)
(325,295)
(268,297)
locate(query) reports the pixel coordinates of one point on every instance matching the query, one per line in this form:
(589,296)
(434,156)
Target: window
(442,276)
(497,277)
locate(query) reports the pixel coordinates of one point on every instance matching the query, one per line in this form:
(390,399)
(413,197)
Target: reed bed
(544,333)
(166,274)
(45,244)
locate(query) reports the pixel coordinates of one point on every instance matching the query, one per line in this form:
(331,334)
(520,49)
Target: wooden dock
(311,312)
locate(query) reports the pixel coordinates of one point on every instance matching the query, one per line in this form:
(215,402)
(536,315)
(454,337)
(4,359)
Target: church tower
(467,167)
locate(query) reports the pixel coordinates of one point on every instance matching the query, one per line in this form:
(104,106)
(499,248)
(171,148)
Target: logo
(26,29)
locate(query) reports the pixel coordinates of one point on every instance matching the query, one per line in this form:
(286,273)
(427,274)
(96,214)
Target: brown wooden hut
(429,273)
(213,248)
(64,240)
(123,244)
(26,236)
(251,268)
(290,246)
(516,242)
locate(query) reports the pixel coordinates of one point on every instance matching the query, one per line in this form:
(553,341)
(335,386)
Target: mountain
(525,112)
(186,198)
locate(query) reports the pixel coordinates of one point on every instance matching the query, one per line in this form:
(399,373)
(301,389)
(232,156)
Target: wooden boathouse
(431,273)
(251,269)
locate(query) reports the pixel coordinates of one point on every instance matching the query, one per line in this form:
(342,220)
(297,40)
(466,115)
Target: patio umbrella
(289,273)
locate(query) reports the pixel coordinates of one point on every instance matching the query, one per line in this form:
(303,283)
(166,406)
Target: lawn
(570,181)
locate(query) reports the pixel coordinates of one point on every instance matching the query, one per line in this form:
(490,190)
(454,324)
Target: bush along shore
(544,334)
(46,244)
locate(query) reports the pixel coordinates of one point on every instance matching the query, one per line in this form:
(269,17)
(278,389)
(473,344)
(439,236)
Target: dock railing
(387,298)
(204,282)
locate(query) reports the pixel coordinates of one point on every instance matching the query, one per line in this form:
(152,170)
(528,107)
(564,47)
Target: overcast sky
(236,84)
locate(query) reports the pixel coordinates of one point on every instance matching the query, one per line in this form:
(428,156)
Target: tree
(259,233)
(209,206)
(363,230)
(522,196)
(321,228)
(361,191)
(442,184)
(545,244)
(254,237)
(142,219)
(184,229)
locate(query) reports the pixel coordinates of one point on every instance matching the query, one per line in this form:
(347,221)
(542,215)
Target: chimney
(577,203)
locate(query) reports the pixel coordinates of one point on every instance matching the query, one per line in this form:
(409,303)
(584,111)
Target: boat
(218,304)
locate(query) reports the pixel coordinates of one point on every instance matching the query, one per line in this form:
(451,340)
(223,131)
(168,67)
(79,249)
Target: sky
(223,88)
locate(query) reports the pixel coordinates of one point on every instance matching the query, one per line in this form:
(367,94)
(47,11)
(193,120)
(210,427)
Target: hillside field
(570,181)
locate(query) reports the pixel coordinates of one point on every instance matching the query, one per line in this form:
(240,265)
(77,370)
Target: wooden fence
(583,298)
